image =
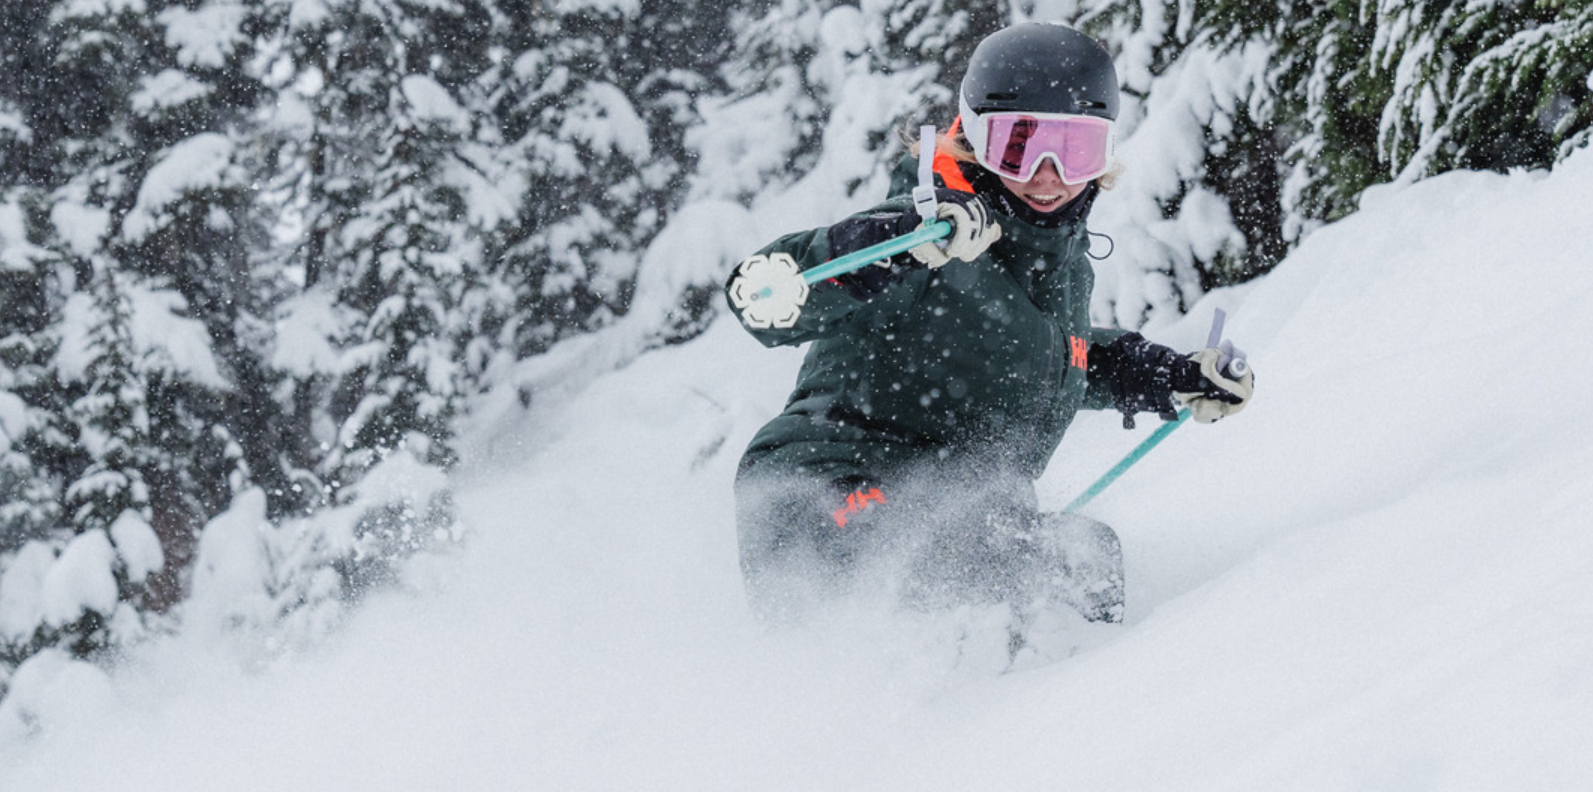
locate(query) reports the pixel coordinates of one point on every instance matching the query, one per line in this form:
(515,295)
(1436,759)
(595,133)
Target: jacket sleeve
(1098,396)
(1142,376)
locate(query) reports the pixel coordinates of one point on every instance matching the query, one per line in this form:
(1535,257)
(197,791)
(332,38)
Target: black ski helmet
(1038,68)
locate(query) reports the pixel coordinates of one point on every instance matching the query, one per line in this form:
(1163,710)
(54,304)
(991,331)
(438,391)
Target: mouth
(1044,202)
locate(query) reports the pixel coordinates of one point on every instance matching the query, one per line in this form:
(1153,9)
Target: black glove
(1144,376)
(861,231)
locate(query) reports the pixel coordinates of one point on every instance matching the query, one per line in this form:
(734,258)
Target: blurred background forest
(262,257)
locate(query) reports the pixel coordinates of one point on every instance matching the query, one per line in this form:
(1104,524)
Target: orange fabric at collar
(946,165)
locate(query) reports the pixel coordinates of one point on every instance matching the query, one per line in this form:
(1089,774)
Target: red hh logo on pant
(856,503)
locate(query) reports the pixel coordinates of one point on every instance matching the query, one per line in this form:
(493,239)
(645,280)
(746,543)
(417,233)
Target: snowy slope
(1380,576)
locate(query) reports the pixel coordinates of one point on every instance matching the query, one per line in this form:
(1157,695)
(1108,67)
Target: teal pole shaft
(859,259)
(1134,456)
(1214,339)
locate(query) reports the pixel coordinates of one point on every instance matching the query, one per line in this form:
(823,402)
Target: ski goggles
(1015,144)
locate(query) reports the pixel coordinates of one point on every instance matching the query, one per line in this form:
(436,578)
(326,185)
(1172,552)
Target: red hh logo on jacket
(1080,359)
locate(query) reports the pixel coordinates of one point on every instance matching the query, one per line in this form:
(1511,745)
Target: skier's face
(1046,192)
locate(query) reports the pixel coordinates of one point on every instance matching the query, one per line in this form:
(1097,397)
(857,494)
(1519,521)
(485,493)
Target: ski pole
(1127,462)
(1232,362)
(923,200)
(770,291)
(858,259)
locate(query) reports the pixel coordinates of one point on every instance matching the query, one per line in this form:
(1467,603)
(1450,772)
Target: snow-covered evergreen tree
(161,194)
(315,151)
(130,202)
(112,415)
(589,169)
(88,584)
(844,81)
(200,227)
(596,101)
(29,502)
(1247,126)
(1482,84)
(409,265)
(1326,102)
(378,163)
(1196,204)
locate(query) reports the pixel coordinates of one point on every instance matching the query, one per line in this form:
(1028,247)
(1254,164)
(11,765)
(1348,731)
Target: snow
(490,197)
(737,145)
(165,341)
(16,252)
(843,33)
(203,161)
(137,545)
(13,124)
(81,226)
(206,36)
(21,607)
(79,580)
(14,420)
(172,342)
(397,477)
(230,563)
(601,116)
(610,7)
(1373,578)
(432,102)
(75,353)
(74,9)
(170,88)
(307,13)
(1154,273)
(51,681)
(303,334)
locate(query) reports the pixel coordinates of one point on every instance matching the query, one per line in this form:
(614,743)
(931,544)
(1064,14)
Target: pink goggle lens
(1015,144)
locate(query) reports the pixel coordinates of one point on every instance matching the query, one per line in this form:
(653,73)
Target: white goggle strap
(973,127)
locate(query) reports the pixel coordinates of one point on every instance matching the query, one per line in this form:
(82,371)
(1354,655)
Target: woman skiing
(939,382)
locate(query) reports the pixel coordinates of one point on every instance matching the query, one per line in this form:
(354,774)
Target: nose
(1047,172)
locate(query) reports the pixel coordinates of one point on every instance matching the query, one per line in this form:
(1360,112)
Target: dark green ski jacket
(985,360)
